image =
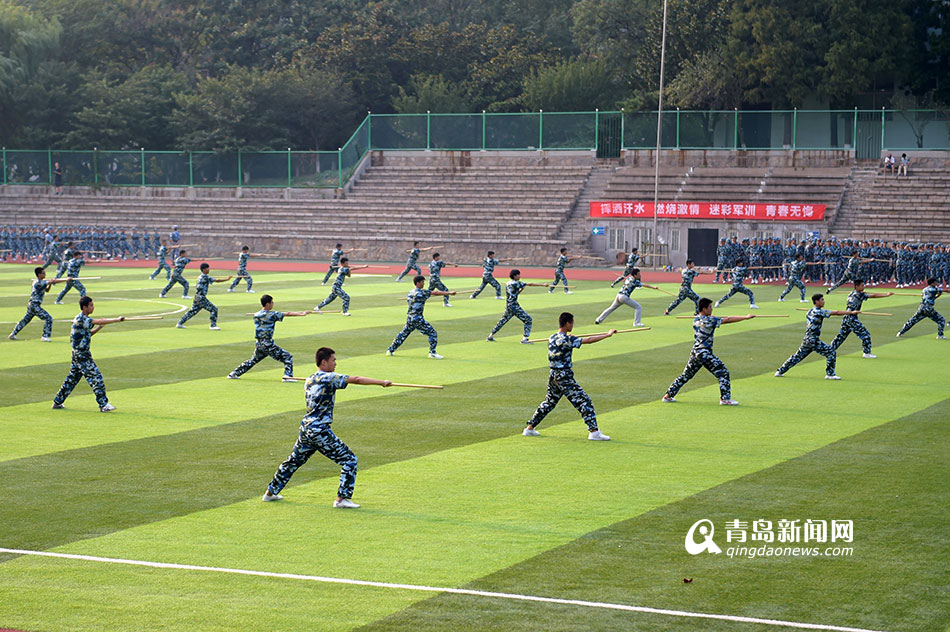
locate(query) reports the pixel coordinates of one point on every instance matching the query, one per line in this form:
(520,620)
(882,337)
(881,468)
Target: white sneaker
(435,356)
(185,296)
(345,503)
(832,377)
(568,292)
(801,300)
(717,304)
(58,303)
(941,337)
(870,356)
(753,306)
(779,374)
(268,497)
(597,435)
(500,298)
(250,291)
(446,304)
(728,402)
(215,328)
(316,309)
(107,408)
(45,339)
(639,325)
(668,399)
(232,376)
(180,326)
(12,337)
(525,341)
(530,432)
(230,289)
(490,338)
(781,300)
(345,314)
(161,296)
(899,334)
(389,352)
(288,379)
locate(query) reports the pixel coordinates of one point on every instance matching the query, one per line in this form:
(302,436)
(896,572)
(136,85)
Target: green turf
(452,493)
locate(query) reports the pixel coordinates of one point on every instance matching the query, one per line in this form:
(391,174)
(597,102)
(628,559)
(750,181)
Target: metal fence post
(735,130)
(339,166)
(883,116)
(142,154)
(289,170)
(95,165)
(428,130)
(622,129)
(369,130)
(49,158)
(596,129)
(240,173)
(794,129)
(191,168)
(484,129)
(4,165)
(540,130)
(677,128)
(854,133)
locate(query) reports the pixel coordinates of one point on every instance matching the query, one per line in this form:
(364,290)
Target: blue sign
(598,230)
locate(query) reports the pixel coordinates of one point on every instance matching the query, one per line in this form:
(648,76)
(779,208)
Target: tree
(577,85)
(431,93)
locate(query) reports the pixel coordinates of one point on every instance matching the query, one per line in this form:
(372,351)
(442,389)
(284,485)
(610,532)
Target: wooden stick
(304,379)
(144,317)
(757,316)
(664,291)
(903,294)
(309,311)
(619,331)
(805,309)
(86,278)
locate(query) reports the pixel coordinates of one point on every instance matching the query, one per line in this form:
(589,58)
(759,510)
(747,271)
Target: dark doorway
(701,245)
(608,135)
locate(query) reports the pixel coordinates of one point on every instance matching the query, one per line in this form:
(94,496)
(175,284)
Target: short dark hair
(514,273)
(415,243)
(323,353)
(565,318)
(245,248)
(436,255)
(815,297)
(37,270)
(798,254)
(204,266)
(858,282)
(418,278)
(635,271)
(181,252)
(84,301)
(267,298)
(689,261)
(563,250)
(931,280)
(635,250)
(491,253)
(78,253)
(339,245)
(704,303)
(344,260)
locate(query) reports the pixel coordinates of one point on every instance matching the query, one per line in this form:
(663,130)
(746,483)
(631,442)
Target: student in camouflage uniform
(851,323)
(337,289)
(851,273)
(488,266)
(701,355)
(812,341)
(435,276)
(561,382)
(201,298)
(335,261)
(264,323)
(72,274)
(177,275)
(722,260)
(686,288)
(67,257)
(80,336)
(738,273)
(411,262)
(927,309)
(559,277)
(629,265)
(242,271)
(512,308)
(52,254)
(162,263)
(623,296)
(795,270)
(35,305)
(415,318)
(316,435)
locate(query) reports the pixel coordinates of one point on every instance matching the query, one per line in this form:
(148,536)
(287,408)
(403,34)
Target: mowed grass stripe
(886,479)
(454,515)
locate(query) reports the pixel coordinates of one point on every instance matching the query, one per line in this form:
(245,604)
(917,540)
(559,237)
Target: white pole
(659,133)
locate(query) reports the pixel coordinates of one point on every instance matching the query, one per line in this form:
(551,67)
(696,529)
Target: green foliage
(578,85)
(431,93)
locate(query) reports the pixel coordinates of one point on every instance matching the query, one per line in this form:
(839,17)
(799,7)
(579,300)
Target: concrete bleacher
(515,211)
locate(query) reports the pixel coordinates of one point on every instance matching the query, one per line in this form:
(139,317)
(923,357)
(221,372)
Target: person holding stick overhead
(562,261)
(623,296)
(435,276)
(80,337)
(337,289)
(812,341)
(561,382)
(701,355)
(411,262)
(629,265)
(264,323)
(201,299)
(316,434)
(488,266)
(512,308)
(927,309)
(416,320)
(795,270)
(162,263)
(242,271)
(686,288)
(72,274)
(335,260)
(739,272)
(178,275)
(35,305)
(851,323)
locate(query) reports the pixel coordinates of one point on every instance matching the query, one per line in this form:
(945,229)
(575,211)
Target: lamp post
(659,136)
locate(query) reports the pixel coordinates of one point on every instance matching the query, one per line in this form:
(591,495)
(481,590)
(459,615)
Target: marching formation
(316,434)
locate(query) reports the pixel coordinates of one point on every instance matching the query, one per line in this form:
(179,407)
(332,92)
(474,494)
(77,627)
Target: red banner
(710,210)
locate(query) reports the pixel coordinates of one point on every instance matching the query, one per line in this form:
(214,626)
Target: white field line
(166,303)
(455,591)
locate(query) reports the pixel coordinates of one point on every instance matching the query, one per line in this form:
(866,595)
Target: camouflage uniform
(488,266)
(435,279)
(64,264)
(927,310)
(811,342)
(513,309)
(415,320)
(316,435)
(851,323)
(73,271)
(850,274)
(82,363)
(242,272)
(561,382)
(162,264)
(686,290)
(264,323)
(739,273)
(411,264)
(701,355)
(623,296)
(201,301)
(795,270)
(628,267)
(180,263)
(337,290)
(52,254)
(559,273)
(34,308)
(334,264)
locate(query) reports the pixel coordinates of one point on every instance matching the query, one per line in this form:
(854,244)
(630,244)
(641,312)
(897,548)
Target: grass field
(453,496)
